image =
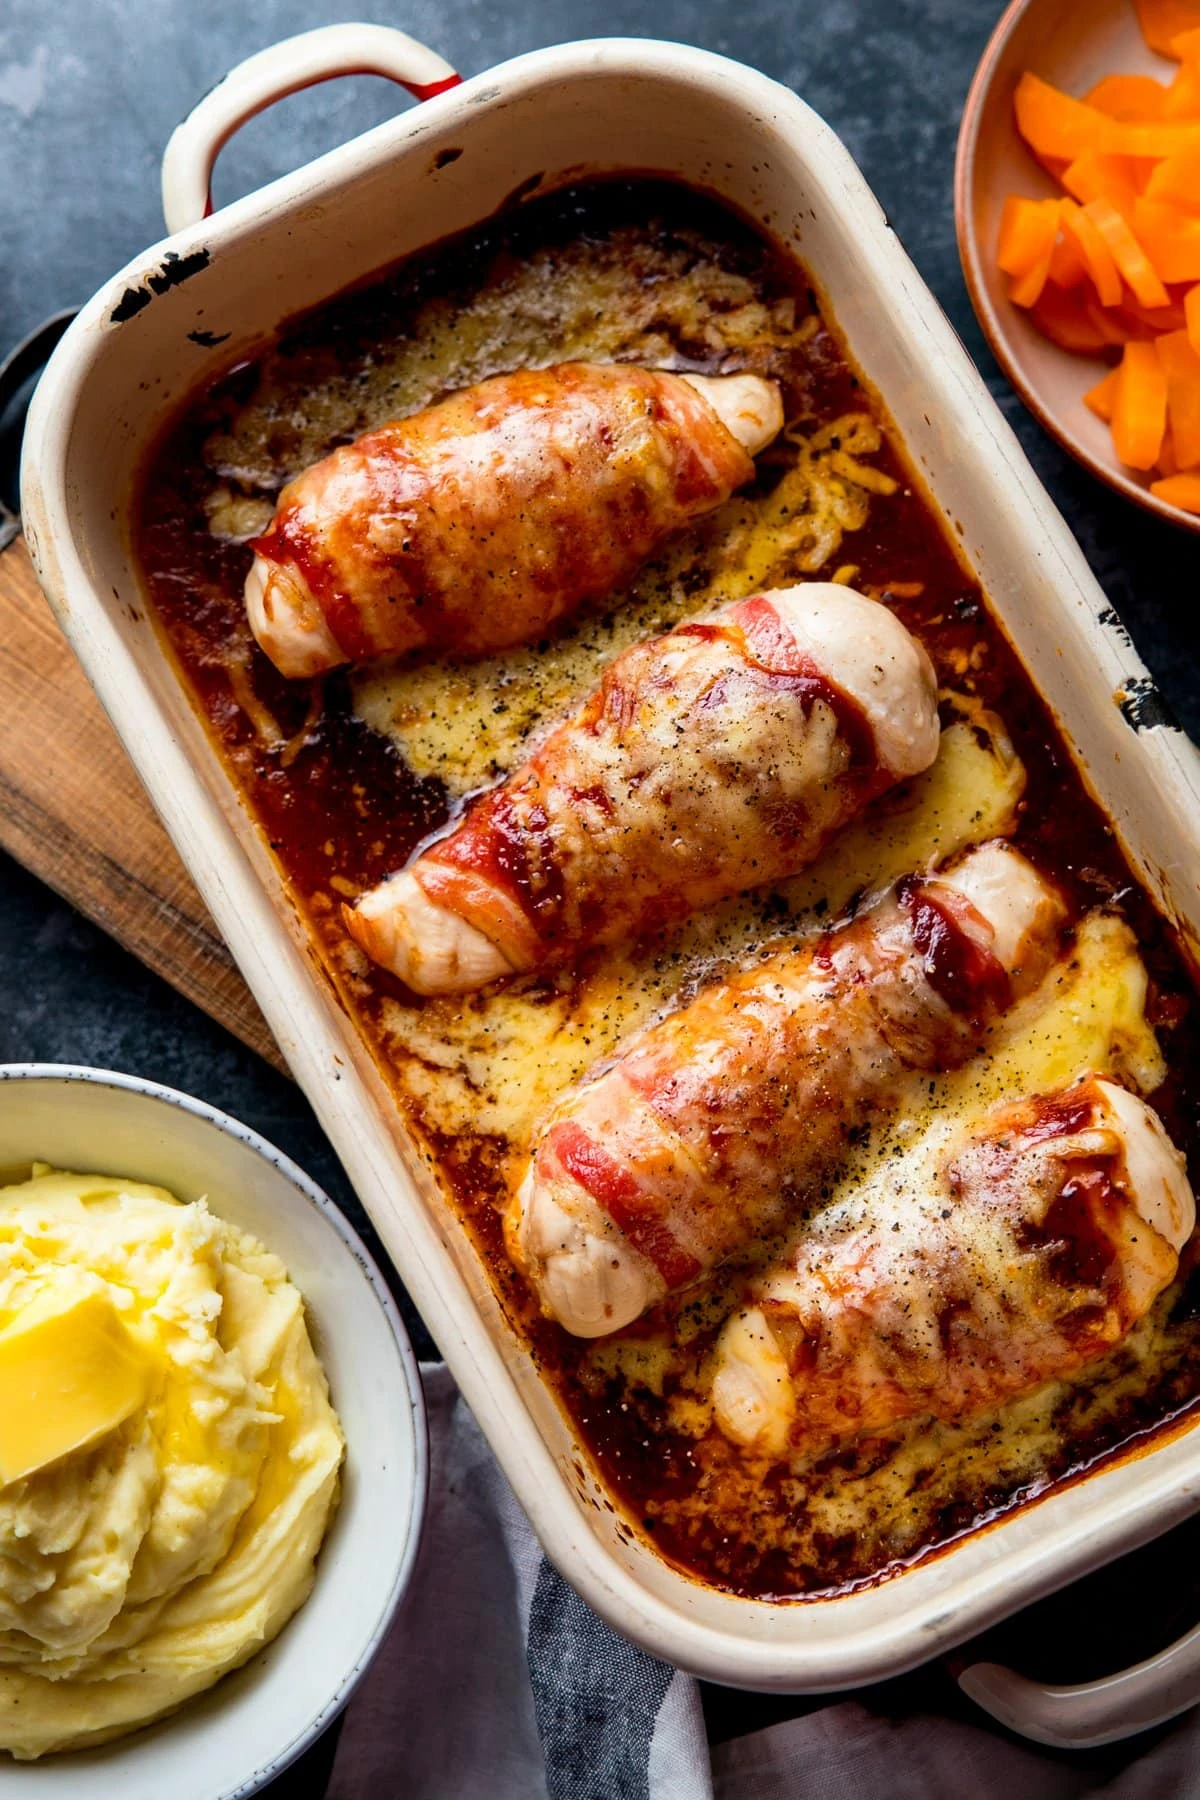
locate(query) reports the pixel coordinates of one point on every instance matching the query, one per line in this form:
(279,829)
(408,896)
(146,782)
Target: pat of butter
(70,1372)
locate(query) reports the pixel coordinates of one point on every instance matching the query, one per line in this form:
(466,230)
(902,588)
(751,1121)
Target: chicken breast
(719,757)
(477,523)
(713,1126)
(1044,1235)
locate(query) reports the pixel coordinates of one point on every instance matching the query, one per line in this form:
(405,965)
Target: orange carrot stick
(1181,102)
(1140,407)
(1181,366)
(1028,229)
(1097,175)
(1097,256)
(1163,20)
(1176,180)
(1182,491)
(1112,324)
(1191,316)
(1054,124)
(1170,238)
(1161,139)
(1063,318)
(1135,98)
(1127,253)
(1102,398)
(1067,267)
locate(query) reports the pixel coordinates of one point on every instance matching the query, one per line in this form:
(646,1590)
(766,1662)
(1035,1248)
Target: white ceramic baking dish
(133,353)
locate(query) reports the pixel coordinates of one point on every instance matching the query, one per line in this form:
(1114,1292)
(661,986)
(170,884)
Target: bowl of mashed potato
(212,1447)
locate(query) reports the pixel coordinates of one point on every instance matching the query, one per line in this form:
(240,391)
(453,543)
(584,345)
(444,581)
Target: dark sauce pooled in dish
(649,272)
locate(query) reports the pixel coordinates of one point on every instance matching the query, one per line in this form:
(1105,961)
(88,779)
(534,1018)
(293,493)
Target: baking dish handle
(1093,1712)
(285,68)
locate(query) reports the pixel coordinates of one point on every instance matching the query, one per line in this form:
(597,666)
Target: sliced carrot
(1127,252)
(1171,239)
(1140,407)
(1102,398)
(1181,101)
(1116,263)
(1097,176)
(1163,20)
(1067,267)
(1028,229)
(1191,315)
(1132,97)
(1185,45)
(1182,491)
(1115,327)
(1063,318)
(1141,168)
(1152,319)
(1028,283)
(1181,366)
(1054,124)
(1025,290)
(1078,228)
(1168,462)
(1176,180)
(1161,139)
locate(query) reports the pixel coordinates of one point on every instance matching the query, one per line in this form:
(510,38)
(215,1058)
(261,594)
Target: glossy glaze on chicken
(609,962)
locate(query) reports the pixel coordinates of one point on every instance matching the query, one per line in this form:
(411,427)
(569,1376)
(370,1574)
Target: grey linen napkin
(499,1683)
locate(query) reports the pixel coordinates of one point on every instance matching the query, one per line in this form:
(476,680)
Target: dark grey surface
(89,92)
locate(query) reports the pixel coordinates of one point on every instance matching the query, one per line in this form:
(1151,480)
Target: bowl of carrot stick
(1077,206)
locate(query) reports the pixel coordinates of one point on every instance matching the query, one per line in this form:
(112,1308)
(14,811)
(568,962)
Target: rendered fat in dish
(710,1127)
(1045,1235)
(476,524)
(719,757)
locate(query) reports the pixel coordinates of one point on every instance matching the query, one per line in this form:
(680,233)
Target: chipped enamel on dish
(605,104)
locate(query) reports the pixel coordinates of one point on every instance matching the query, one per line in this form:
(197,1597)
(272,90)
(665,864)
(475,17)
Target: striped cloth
(499,1683)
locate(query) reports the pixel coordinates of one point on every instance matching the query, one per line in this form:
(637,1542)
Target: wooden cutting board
(75,814)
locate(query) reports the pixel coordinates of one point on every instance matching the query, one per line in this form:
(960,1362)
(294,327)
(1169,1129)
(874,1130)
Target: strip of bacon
(479,522)
(719,757)
(730,1113)
(1037,1243)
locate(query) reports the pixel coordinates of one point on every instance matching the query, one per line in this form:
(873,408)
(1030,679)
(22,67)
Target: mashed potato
(137,1570)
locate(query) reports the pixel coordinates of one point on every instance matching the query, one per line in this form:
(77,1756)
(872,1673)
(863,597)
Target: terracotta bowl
(1071,43)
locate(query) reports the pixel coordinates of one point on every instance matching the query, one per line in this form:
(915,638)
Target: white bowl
(230,1742)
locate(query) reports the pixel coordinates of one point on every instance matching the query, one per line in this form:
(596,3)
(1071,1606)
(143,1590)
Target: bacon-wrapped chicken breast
(1046,1235)
(477,523)
(719,757)
(712,1126)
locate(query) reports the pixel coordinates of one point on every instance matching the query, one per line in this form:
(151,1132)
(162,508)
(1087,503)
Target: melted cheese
(1088,1015)
(494,1062)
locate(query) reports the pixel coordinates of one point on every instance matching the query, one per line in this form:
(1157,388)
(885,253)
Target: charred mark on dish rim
(1110,618)
(523,190)
(175,270)
(1143,706)
(445,157)
(208,340)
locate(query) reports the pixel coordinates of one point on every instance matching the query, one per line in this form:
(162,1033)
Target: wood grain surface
(73,812)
